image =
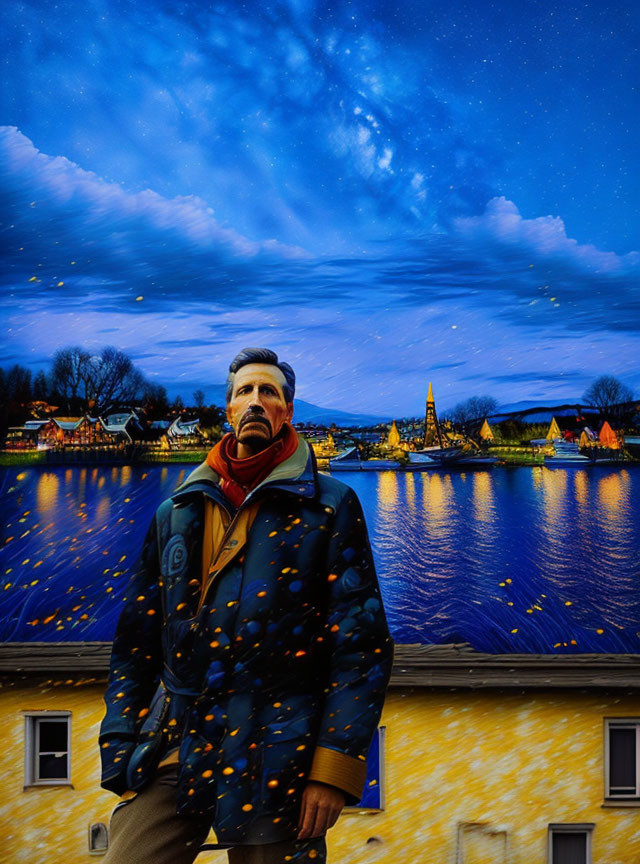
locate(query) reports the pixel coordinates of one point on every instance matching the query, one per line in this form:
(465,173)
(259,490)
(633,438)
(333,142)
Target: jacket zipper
(228,531)
(249,499)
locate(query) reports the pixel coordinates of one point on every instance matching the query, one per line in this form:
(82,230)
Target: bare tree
(112,379)
(156,401)
(40,387)
(69,373)
(19,384)
(96,381)
(606,393)
(474,408)
(177,406)
(198,398)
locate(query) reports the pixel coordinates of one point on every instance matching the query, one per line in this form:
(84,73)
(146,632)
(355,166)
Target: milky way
(383,193)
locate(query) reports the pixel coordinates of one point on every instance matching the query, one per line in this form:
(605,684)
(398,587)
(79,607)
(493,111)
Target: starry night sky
(385,193)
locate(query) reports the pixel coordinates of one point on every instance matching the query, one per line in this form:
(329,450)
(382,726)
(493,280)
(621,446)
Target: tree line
(82,383)
(606,393)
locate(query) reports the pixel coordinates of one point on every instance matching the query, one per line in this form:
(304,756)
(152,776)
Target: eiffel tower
(432,434)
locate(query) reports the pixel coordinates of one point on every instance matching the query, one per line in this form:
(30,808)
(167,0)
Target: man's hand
(321,806)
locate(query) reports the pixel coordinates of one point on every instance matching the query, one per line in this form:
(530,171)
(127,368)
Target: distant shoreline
(82,459)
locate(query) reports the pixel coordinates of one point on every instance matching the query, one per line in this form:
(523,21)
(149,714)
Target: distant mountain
(307,412)
(540,412)
(528,405)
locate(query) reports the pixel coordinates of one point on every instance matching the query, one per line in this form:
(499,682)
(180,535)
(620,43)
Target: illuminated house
(393,439)
(493,752)
(80,432)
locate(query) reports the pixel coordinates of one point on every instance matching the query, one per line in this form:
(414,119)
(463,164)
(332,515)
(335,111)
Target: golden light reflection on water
(552,535)
(537,477)
(125,476)
(387,489)
(410,484)
(581,488)
(164,475)
(47,491)
(104,508)
(612,493)
(68,476)
(437,497)
(554,493)
(483,497)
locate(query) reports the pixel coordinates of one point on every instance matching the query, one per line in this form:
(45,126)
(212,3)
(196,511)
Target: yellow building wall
(513,762)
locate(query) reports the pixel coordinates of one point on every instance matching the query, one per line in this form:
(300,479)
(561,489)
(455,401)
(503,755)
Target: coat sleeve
(136,662)
(360,653)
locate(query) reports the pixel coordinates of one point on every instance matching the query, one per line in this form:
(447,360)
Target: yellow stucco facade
(472,777)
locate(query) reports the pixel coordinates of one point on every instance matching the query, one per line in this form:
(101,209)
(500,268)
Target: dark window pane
(99,838)
(569,848)
(622,757)
(53,735)
(52,767)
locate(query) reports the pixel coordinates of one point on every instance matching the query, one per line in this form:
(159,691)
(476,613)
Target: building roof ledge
(452,665)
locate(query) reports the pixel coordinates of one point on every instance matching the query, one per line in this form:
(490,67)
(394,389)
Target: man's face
(258,409)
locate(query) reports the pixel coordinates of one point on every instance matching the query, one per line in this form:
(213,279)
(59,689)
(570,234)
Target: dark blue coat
(278,678)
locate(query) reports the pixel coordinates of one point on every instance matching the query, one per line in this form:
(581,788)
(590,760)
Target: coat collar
(296,475)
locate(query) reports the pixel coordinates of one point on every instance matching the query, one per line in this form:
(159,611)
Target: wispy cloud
(52,189)
(544,238)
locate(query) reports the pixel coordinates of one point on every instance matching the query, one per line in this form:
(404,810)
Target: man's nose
(255,404)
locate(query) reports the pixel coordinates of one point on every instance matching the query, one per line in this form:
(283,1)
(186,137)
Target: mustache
(253,417)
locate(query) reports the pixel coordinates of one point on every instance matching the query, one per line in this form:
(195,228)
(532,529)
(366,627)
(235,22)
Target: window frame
(98,851)
(626,799)
(32,752)
(585,828)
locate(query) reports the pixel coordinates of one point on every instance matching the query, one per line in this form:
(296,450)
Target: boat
(350,461)
(432,457)
(347,461)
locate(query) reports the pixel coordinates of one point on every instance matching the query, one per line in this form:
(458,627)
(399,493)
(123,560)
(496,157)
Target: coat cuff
(338,769)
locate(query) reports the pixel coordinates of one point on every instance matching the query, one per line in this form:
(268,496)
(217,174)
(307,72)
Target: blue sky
(384,193)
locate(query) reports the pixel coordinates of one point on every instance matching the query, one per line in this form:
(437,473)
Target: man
(250,661)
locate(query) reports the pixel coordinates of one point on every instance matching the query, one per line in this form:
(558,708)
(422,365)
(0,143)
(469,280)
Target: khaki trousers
(147,830)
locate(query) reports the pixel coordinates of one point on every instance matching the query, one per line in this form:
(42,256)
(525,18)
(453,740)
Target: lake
(508,559)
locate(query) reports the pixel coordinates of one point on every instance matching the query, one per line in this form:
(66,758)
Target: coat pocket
(146,755)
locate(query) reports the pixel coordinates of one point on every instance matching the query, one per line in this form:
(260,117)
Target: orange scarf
(240,476)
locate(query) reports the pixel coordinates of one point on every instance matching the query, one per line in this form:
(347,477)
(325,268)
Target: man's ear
(289,411)
(228,415)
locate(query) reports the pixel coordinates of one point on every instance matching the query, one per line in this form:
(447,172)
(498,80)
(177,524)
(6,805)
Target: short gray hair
(262,355)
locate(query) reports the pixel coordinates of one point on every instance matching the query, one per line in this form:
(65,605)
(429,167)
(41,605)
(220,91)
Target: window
(622,759)
(98,838)
(47,747)
(570,844)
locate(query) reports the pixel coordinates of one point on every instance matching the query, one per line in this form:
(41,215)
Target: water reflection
(613,491)
(47,490)
(483,498)
(507,560)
